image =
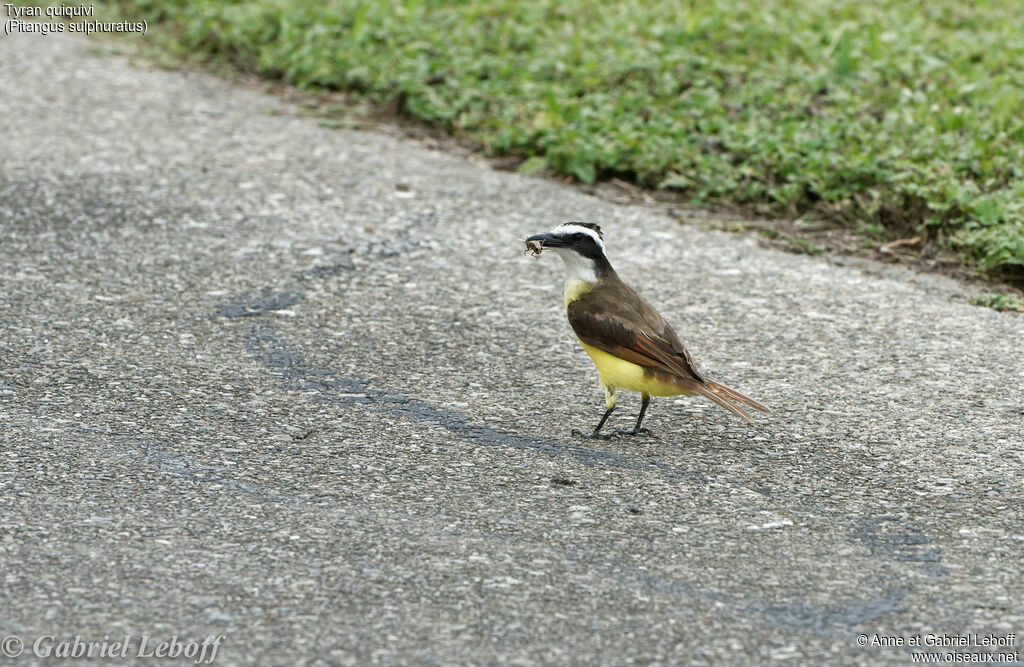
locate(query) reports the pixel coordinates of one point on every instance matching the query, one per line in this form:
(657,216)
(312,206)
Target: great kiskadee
(632,346)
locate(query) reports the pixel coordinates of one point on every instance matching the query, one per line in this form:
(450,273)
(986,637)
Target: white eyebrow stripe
(569,228)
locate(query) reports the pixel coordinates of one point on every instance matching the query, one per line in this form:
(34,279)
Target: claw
(576,433)
(642,431)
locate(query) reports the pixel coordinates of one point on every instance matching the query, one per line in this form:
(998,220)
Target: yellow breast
(622,374)
(574,289)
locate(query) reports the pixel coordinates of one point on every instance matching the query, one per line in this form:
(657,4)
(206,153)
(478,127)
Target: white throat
(580,273)
(578,268)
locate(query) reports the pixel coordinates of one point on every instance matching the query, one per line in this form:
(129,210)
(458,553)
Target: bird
(630,343)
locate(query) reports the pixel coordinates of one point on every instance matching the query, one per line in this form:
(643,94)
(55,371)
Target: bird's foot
(642,431)
(576,433)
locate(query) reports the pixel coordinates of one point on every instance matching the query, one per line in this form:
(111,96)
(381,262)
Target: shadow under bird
(633,347)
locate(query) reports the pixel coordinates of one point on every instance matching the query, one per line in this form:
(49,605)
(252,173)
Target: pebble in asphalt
(301,388)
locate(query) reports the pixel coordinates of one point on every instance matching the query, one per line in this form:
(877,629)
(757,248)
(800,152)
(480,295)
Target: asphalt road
(300,388)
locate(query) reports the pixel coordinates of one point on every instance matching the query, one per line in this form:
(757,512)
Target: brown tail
(724,396)
(737,396)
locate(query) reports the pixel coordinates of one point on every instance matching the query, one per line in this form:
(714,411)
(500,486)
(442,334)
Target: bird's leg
(609,401)
(596,435)
(646,400)
(643,409)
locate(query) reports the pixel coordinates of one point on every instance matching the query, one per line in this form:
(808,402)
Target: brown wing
(614,318)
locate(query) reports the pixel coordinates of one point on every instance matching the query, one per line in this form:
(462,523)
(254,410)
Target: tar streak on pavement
(157,456)
(831,620)
(893,538)
(259,305)
(265,344)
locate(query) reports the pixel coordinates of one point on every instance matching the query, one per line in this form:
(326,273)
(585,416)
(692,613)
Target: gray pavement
(300,388)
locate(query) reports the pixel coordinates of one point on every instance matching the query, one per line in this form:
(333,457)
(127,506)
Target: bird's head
(583,240)
(581,247)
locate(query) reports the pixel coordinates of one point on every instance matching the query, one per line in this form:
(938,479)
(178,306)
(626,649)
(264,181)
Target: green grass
(1000,302)
(892,116)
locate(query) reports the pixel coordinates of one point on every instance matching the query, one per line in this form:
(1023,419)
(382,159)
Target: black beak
(548,240)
